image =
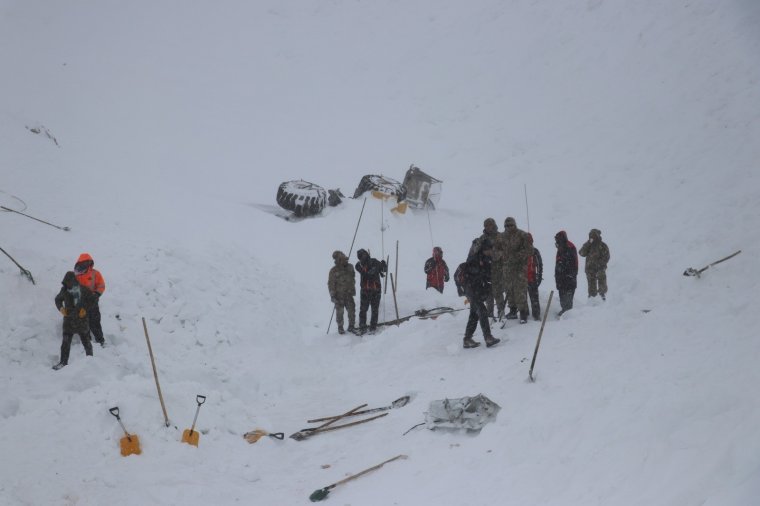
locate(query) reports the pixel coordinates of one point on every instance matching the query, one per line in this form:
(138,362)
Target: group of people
(503,270)
(77,301)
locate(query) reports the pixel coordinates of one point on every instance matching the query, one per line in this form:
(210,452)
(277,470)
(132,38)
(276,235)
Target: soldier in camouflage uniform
(494,252)
(597,256)
(341,283)
(73,302)
(518,249)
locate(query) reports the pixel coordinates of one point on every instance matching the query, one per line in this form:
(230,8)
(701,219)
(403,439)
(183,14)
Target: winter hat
(489,222)
(69,279)
(595,233)
(509,221)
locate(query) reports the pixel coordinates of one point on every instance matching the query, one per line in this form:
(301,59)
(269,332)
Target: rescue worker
(565,271)
(597,256)
(370,270)
(535,276)
(341,283)
(437,271)
(518,250)
(477,289)
(74,302)
(496,276)
(92,279)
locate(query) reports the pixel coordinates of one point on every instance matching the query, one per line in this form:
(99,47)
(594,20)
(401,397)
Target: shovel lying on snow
(398,403)
(697,272)
(321,493)
(191,436)
(130,444)
(257,434)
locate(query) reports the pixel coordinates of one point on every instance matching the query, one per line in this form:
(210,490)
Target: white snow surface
(175,121)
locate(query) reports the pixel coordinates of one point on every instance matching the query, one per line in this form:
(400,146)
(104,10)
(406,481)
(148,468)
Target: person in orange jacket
(92,279)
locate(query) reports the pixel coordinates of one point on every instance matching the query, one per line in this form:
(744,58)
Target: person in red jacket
(535,276)
(92,279)
(437,271)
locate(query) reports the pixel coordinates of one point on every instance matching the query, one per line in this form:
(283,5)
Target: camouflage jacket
(518,249)
(597,255)
(341,282)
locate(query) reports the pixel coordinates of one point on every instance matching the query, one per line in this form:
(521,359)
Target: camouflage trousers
(498,292)
(347,303)
(517,289)
(597,283)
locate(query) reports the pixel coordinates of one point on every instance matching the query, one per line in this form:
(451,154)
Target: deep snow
(174,121)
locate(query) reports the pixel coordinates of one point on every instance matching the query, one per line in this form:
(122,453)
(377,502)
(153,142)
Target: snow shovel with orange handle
(130,444)
(191,436)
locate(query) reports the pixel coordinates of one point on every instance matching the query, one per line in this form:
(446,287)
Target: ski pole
(37,219)
(540,333)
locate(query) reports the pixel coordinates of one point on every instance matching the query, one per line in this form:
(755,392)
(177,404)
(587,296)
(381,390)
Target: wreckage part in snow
(382,185)
(302,197)
(470,413)
(422,190)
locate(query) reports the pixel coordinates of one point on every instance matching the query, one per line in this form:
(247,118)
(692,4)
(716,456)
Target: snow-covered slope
(174,123)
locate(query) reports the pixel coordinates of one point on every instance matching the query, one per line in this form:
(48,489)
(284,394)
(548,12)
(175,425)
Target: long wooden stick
(155,373)
(393,287)
(541,332)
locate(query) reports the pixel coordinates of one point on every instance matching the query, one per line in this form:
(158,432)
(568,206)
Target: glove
(82,313)
(64,311)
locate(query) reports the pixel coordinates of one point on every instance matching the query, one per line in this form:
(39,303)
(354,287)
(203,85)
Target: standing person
(341,283)
(370,270)
(535,276)
(565,271)
(597,256)
(92,279)
(495,253)
(477,288)
(437,271)
(518,250)
(74,302)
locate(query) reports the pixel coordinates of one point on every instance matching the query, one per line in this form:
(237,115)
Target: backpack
(460,278)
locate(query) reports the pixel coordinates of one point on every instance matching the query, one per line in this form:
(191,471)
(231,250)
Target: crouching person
(73,301)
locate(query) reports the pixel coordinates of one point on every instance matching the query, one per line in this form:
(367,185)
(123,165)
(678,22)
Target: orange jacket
(91,278)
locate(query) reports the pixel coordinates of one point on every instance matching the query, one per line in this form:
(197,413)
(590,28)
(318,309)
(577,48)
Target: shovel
(321,494)
(130,444)
(698,272)
(191,436)
(257,434)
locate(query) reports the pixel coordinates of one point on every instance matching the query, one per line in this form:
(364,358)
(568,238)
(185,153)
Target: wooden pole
(541,332)
(393,287)
(155,373)
(396,263)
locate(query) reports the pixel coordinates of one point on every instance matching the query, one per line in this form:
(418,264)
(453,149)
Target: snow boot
(469,343)
(604,297)
(340,330)
(512,315)
(59,365)
(523,317)
(492,341)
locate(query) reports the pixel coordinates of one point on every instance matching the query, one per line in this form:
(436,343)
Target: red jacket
(90,278)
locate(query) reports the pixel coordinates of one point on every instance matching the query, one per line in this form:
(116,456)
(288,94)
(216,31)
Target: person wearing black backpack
(370,270)
(477,287)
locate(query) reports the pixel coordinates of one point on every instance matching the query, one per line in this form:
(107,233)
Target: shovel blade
(130,445)
(191,437)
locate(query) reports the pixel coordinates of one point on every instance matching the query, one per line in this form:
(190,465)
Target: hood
(69,279)
(85,257)
(561,237)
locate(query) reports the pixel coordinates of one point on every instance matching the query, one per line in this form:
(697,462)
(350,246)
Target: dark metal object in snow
(381,184)
(36,219)
(422,190)
(697,273)
(306,199)
(23,271)
(321,494)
